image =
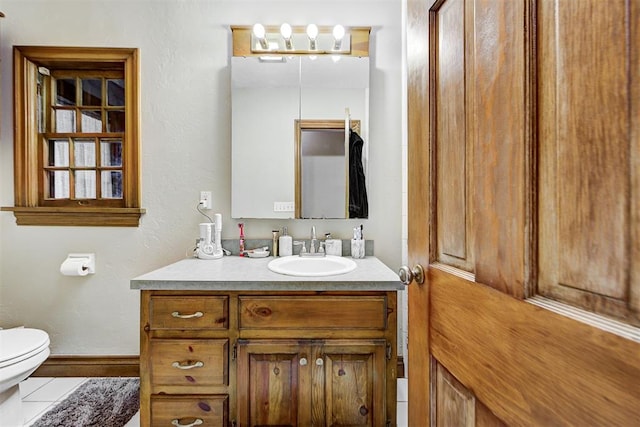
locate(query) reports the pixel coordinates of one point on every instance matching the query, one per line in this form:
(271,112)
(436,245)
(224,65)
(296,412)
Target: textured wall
(186,113)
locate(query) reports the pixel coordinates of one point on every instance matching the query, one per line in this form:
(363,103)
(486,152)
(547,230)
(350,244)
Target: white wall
(185,84)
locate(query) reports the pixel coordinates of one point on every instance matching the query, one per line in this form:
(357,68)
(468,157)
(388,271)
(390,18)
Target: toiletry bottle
(286,243)
(241,241)
(332,246)
(274,243)
(357,243)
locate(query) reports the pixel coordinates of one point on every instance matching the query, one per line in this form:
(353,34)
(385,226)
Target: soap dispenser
(286,243)
(332,246)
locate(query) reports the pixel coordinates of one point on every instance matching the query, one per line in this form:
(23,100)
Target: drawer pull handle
(319,361)
(177,315)
(177,423)
(303,361)
(179,365)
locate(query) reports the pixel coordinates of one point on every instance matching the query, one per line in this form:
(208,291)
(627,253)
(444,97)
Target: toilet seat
(19,344)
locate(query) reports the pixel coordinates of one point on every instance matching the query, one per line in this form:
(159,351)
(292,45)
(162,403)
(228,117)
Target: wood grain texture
(29,194)
(497,57)
(212,354)
(634,159)
(353,392)
(89,366)
(588,178)
(317,312)
(313,334)
(241,36)
(530,366)
(419,204)
(455,404)
(212,410)
(451,139)
(214,313)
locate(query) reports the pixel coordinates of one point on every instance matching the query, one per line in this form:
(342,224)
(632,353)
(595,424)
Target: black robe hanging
(358,203)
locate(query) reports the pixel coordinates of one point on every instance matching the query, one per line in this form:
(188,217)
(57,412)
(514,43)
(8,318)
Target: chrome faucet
(316,249)
(314,240)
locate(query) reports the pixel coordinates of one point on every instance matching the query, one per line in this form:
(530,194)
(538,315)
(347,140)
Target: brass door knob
(407,275)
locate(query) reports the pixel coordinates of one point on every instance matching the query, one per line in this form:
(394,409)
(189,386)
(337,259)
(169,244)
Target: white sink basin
(312,266)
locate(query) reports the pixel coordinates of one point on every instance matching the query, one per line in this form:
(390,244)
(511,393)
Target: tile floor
(40,394)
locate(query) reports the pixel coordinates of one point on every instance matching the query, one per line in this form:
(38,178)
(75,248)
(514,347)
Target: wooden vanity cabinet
(268,358)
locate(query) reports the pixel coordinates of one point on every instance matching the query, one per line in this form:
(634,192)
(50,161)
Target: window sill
(91,217)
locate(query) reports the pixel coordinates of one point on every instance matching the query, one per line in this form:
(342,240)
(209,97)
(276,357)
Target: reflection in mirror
(329,174)
(265,104)
(267,99)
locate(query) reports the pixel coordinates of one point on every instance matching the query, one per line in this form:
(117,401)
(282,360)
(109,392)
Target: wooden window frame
(28,209)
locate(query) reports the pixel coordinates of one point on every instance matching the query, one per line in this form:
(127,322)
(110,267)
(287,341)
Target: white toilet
(22,350)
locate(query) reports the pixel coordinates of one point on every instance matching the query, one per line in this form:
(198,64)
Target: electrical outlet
(205,200)
(283,206)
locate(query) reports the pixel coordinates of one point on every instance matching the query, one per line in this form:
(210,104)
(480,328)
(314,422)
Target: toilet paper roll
(75,267)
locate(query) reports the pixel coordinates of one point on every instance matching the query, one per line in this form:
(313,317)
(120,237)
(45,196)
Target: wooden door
(350,383)
(273,376)
(312,382)
(524,205)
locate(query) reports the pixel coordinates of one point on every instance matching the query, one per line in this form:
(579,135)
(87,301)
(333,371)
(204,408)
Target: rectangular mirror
(270,98)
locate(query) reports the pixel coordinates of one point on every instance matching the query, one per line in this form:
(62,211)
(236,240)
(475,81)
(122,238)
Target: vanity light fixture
(260,33)
(285,39)
(312,33)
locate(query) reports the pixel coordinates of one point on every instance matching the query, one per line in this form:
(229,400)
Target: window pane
(115,121)
(111,152)
(85,184)
(58,184)
(66,92)
(92,92)
(115,92)
(84,152)
(111,184)
(91,121)
(65,121)
(58,152)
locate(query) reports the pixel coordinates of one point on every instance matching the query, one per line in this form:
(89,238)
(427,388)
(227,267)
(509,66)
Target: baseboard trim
(108,366)
(89,366)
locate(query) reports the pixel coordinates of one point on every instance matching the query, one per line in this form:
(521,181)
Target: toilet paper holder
(90,261)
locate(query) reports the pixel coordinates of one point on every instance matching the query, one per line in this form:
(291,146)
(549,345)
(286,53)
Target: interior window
(76,138)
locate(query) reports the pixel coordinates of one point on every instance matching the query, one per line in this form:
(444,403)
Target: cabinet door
(349,383)
(311,383)
(270,377)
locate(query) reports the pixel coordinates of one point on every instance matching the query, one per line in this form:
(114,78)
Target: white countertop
(234,273)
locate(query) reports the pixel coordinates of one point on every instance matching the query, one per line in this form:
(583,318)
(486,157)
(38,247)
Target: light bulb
(338,32)
(312,31)
(259,31)
(285,30)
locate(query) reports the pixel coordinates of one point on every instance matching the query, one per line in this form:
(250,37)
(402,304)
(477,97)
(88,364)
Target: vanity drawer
(175,411)
(193,312)
(196,363)
(301,312)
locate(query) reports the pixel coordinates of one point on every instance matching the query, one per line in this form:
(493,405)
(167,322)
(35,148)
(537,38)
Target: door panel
(353,393)
(451,137)
(496,59)
(455,404)
(587,140)
(527,155)
(270,380)
(528,365)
